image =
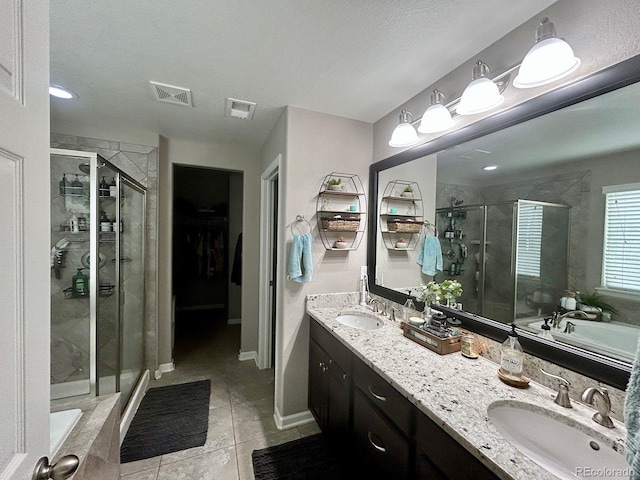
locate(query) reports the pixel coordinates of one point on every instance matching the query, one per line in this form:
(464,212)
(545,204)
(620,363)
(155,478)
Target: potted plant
(593,303)
(334,184)
(340,242)
(401,243)
(408,191)
(451,290)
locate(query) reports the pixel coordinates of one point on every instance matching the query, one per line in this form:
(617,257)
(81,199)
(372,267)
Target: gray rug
(308,458)
(169,419)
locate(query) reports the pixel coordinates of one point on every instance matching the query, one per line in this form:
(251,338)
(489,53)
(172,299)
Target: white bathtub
(614,339)
(61,424)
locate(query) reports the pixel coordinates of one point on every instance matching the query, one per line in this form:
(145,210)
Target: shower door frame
(96,162)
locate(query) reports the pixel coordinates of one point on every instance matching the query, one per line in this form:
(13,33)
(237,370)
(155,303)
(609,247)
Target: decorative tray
(441,346)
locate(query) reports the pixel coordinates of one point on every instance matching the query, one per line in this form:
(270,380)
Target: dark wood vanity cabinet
(330,384)
(438,456)
(363,413)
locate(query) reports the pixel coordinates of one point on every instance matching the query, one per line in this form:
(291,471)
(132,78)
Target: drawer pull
(377,447)
(345,376)
(377,397)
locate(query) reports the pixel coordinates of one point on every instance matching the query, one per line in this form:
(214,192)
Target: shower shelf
(105,290)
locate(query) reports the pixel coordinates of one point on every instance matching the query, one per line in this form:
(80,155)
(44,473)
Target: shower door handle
(63,468)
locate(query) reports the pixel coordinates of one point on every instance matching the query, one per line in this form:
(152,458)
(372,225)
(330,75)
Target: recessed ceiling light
(61,92)
(491,167)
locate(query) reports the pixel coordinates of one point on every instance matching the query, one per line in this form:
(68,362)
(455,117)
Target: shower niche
(97,332)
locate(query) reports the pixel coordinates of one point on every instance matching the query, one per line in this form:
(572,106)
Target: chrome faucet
(562,398)
(378,306)
(570,328)
(394,312)
(599,398)
(557,318)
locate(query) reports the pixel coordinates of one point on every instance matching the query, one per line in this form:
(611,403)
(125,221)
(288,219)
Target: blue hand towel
(632,418)
(300,259)
(430,256)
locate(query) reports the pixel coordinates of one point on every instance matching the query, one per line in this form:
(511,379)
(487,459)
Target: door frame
(267,190)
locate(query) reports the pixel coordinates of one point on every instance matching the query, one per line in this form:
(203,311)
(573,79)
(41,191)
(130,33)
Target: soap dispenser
(512,355)
(546,330)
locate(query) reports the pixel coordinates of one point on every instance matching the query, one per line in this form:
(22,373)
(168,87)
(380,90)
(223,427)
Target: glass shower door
(131,216)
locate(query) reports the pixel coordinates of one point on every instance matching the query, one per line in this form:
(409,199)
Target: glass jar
(469,345)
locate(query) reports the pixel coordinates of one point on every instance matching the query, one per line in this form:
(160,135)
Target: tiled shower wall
(140,162)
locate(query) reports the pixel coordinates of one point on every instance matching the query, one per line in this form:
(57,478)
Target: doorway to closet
(207,248)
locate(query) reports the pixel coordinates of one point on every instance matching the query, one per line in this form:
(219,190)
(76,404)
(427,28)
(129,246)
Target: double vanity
(412,413)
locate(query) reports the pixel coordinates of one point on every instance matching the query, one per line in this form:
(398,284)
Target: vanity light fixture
(404,135)
(550,59)
(488,168)
(437,117)
(481,94)
(61,92)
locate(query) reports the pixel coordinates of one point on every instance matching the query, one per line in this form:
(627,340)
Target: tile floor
(240,407)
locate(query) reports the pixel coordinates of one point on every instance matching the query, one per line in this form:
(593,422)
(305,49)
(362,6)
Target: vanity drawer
(381,394)
(381,444)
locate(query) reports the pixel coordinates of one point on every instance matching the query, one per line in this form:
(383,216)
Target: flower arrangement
(433,292)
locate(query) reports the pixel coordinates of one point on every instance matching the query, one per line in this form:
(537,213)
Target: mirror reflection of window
(529,240)
(621,252)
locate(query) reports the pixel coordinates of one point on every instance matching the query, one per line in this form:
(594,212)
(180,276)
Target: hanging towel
(430,256)
(632,418)
(300,260)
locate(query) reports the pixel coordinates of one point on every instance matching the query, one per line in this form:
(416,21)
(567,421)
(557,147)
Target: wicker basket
(403,227)
(340,225)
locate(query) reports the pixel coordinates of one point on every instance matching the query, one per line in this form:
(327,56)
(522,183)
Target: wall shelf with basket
(341,210)
(401,215)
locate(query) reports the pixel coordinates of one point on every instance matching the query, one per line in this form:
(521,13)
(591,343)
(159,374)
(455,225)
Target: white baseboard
(234,321)
(290,421)
(134,403)
(244,356)
(164,368)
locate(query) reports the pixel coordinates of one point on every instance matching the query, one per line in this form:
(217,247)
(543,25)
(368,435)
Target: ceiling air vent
(474,154)
(239,109)
(171,94)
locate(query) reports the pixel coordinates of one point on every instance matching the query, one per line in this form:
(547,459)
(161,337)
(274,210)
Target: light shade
(61,92)
(481,94)
(437,117)
(404,135)
(550,59)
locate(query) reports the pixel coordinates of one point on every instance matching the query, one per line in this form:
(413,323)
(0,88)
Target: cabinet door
(386,450)
(339,402)
(436,449)
(319,384)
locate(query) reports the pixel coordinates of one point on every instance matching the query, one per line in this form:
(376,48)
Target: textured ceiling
(358,59)
(597,127)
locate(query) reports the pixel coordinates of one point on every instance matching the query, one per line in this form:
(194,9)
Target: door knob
(62,469)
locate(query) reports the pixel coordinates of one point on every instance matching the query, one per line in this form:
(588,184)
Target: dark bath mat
(169,419)
(309,458)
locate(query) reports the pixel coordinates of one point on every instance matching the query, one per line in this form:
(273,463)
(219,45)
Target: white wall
(601,33)
(224,157)
(316,145)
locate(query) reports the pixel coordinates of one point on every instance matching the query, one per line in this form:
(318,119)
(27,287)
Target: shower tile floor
(240,407)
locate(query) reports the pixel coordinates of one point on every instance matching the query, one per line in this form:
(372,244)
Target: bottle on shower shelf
(63,184)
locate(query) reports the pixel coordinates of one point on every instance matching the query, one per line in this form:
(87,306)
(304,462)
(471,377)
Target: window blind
(529,239)
(621,253)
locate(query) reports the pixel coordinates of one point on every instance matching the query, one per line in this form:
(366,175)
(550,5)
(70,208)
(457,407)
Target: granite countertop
(455,392)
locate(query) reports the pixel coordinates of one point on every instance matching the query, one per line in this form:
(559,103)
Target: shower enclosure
(511,257)
(97,307)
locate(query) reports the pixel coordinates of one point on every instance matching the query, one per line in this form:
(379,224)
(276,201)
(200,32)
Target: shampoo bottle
(512,356)
(80,284)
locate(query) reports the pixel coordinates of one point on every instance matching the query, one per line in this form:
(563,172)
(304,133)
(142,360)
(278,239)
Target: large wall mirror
(519,236)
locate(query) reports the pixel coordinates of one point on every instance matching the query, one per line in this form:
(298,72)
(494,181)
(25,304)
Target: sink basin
(556,444)
(363,322)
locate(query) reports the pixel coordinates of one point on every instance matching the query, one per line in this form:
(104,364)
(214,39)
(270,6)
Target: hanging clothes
(236,272)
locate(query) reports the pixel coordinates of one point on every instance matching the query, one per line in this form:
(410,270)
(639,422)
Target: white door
(24,236)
